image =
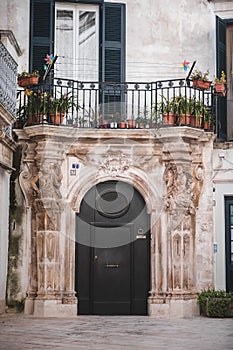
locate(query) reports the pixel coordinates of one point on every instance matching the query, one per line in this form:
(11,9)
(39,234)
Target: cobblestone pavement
(18,331)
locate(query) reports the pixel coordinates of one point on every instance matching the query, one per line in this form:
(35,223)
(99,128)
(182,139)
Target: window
(76,41)
(89,38)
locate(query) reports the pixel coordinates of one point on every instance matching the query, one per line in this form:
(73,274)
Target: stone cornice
(5,117)
(64,133)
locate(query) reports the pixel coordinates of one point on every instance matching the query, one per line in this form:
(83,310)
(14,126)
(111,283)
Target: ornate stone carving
(47,204)
(48,263)
(198,176)
(28,171)
(183,188)
(114,164)
(178,198)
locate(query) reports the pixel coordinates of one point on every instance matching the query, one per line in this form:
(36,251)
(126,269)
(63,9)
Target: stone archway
(170,173)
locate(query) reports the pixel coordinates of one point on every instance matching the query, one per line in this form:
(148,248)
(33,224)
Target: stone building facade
(173,175)
(174,170)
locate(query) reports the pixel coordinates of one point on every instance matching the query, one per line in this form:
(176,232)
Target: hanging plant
(26,78)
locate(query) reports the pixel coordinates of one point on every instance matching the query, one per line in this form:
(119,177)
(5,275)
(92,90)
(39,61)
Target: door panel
(111,277)
(112,251)
(229,243)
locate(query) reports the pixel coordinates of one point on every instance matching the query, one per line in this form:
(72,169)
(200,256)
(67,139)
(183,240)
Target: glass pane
(231,209)
(231,257)
(88,49)
(231,247)
(64,67)
(232,233)
(231,219)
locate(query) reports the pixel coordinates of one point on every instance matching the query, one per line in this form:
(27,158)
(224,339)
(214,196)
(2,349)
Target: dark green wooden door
(229,243)
(113,251)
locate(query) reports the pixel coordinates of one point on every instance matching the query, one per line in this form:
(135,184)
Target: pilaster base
(2,306)
(29,306)
(50,308)
(169,307)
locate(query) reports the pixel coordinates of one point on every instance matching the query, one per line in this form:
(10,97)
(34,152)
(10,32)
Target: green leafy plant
(222,79)
(62,103)
(166,105)
(215,303)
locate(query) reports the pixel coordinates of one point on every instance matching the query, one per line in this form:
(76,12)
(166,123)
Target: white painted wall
(4,215)
(223,183)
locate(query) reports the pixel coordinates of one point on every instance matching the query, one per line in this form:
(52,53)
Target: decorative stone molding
(113,164)
(48,249)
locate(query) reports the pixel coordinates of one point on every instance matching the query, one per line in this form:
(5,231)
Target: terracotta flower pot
(220,89)
(27,81)
(184,119)
(35,119)
(168,118)
(200,84)
(57,118)
(196,121)
(206,125)
(122,125)
(131,123)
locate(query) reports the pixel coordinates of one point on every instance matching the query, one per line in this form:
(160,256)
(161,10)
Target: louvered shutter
(221,65)
(83,1)
(113,43)
(42,33)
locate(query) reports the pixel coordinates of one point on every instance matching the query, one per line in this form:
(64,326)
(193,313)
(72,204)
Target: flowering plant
(62,103)
(222,79)
(198,75)
(35,73)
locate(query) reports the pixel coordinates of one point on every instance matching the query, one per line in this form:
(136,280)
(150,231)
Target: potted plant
(167,109)
(26,79)
(207,119)
(200,79)
(131,123)
(220,84)
(33,108)
(140,122)
(59,106)
(198,112)
(182,108)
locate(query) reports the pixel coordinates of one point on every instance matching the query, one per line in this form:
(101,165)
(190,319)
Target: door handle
(111,266)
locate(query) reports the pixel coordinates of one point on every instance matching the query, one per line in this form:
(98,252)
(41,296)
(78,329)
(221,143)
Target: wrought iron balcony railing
(116,105)
(8,80)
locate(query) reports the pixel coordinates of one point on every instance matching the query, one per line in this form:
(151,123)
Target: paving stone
(21,332)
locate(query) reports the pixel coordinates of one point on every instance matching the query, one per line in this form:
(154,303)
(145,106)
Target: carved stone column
(28,171)
(47,209)
(175,263)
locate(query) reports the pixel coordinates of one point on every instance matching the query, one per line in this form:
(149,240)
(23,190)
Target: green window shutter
(41,32)
(112,60)
(83,1)
(221,65)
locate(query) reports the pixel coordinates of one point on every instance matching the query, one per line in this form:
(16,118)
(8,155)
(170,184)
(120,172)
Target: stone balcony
(105,105)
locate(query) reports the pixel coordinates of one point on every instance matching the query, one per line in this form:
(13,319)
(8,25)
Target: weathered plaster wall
(160,35)
(15,17)
(167,33)
(19,249)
